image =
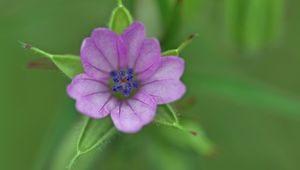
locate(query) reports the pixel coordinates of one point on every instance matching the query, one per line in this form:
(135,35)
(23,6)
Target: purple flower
(126,77)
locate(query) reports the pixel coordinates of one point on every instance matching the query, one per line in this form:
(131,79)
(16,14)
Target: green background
(249,133)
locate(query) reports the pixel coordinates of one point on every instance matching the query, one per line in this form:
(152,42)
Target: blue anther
(116,79)
(129,86)
(126,92)
(135,84)
(119,87)
(122,73)
(114,89)
(113,73)
(130,71)
(123,81)
(130,78)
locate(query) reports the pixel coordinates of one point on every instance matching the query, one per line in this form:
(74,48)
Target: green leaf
(162,156)
(196,140)
(120,18)
(246,92)
(148,12)
(167,116)
(70,65)
(94,135)
(171,20)
(234,20)
(54,137)
(253,24)
(192,135)
(275,9)
(84,136)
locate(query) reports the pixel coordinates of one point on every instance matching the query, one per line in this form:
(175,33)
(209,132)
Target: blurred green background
(242,74)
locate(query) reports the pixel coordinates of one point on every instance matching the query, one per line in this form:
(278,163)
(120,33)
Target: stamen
(123,81)
(135,84)
(116,79)
(129,86)
(130,71)
(122,73)
(130,77)
(126,92)
(113,74)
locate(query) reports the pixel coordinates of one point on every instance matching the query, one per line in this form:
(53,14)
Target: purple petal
(164,85)
(149,58)
(165,91)
(108,45)
(133,114)
(123,57)
(96,106)
(94,63)
(144,75)
(133,37)
(83,85)
(170,68)
(92,96)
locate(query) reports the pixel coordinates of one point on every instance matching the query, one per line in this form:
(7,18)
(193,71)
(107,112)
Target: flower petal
(164,85)
(134,113)
(133,37)
(170,68)
(144,75)
(149,57)
(97,105)
(93,61)
(165,91)
(92,96)
(83,85)
(107,43)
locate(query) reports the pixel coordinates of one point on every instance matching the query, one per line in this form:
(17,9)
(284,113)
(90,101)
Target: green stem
(174,52)
(186,43)
(86,122)
(120,2)
(73,160)
(181,47)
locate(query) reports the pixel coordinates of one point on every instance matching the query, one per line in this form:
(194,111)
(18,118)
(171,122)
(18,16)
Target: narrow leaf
(80,136)
(246,92)
(192,135)
(182,46)
(234,14)
(163,156)
(275,10)
(171,22)
(255,24)
(164,117)
(149,13)
(198,142)
(70,65)
(94,135)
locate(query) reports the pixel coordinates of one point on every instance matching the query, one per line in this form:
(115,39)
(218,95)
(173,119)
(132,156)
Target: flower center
(124,83)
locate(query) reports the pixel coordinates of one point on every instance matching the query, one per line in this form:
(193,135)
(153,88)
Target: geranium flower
(125,77)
